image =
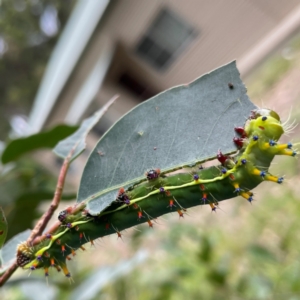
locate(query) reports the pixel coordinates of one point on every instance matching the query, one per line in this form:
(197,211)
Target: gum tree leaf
(76,142)
(45,139)
(183,125)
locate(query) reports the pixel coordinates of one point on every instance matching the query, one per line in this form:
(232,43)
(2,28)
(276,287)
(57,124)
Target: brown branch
(8,273)
(43,221)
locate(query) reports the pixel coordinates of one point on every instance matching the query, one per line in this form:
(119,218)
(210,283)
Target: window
(166,38)
(136,87)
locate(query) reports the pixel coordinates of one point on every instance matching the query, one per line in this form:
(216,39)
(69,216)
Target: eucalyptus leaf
(178,127)
(45,139)
(76,142)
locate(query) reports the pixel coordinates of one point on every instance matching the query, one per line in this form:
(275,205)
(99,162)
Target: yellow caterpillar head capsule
(264,121)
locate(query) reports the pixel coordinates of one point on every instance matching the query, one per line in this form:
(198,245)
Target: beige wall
(228,29)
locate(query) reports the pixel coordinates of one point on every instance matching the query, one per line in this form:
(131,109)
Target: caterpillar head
(25,254)
(264,121)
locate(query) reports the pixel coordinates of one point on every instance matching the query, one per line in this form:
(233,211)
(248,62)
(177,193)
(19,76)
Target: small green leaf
(3,227)
(45,139)
(76,142)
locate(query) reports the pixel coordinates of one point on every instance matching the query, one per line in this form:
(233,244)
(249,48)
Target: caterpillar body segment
(161,194)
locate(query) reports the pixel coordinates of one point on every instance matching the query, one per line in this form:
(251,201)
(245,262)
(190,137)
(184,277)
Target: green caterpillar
(162,193)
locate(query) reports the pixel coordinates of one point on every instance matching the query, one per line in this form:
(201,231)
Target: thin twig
(43,221)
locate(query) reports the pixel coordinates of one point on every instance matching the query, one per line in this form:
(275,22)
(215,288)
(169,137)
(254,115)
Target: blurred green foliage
(24,52)
(270,71)
(23,187)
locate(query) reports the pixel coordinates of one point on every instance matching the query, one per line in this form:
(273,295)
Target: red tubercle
(241,131)
(180,213)
(150,223)
(52,263)
(231,176)
(107,226)
(123,197)
(221,157)
(202,187)
(69,209)
(63,249)
(121,191)
(238,141)
(140,214)
(135,206)
(80,235)
(171,203)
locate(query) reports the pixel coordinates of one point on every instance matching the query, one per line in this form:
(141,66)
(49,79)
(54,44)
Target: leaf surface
(181,126)
(76,142)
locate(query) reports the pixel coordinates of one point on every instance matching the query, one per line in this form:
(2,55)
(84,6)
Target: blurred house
(137,48)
